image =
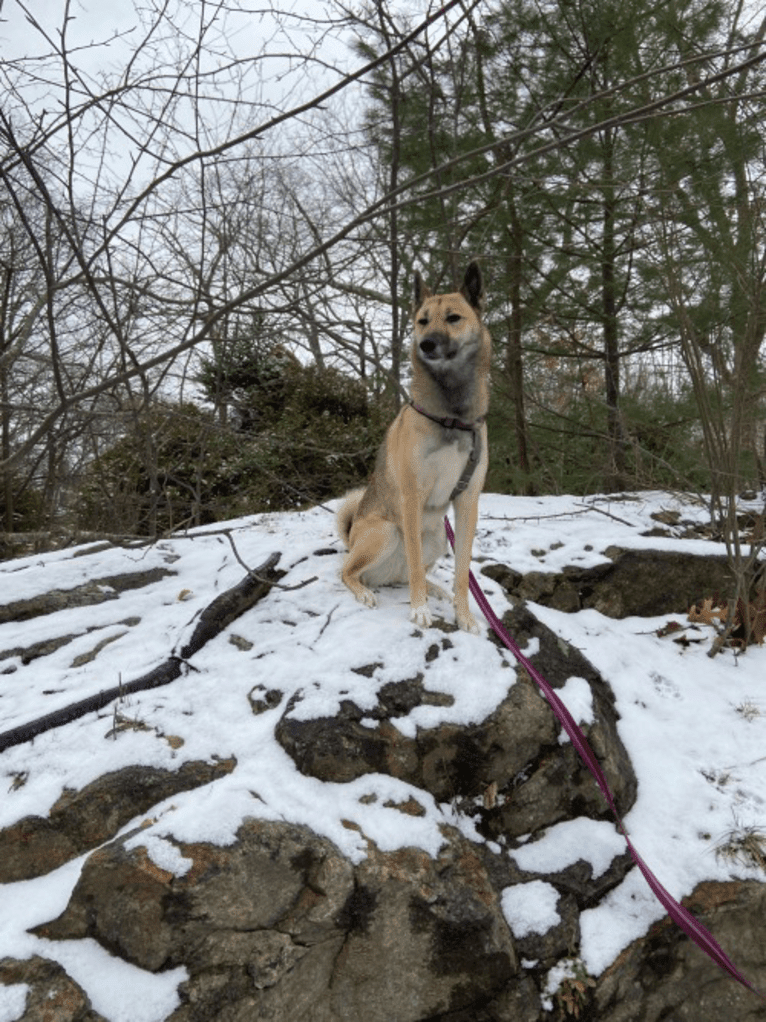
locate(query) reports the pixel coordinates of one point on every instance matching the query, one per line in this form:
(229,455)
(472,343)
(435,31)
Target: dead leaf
(710,611)
(19,780)
(668,629)
(490,795)
(685,641)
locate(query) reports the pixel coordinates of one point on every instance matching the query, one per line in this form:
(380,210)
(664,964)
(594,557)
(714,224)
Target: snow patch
(595,841)
(163,853)
(530,908)
(13,1001)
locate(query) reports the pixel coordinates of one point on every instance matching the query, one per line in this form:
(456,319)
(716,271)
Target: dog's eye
(423,321)
(453,318)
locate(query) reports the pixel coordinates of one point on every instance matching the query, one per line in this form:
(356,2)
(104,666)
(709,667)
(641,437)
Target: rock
(555,943)
(215,617)
(437,927)
(37,649)
(446,761)
(637,582)
(40,649)
(555,785)
(519,1002)
(90,656)
(96,591)
(262,699)
(80,820)
(515,751)
(279,925)
(664,976)
(53,996)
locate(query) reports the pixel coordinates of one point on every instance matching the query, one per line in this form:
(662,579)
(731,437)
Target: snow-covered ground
(694,726)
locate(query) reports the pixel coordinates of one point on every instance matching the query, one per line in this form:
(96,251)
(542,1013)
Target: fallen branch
(533,518)
(601,511)
(214,618)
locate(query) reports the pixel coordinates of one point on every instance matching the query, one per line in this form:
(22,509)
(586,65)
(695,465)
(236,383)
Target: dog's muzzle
(438,347)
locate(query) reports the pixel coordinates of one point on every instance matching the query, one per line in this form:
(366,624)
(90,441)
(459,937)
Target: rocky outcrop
(634,582)
(281,925)
(664,976)
(220,613)
(515,752)
(81,820)
(447,761)
(98,590)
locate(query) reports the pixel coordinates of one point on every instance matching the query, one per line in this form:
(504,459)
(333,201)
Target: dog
(434,453)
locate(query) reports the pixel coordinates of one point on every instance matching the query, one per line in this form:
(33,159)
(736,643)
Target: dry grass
(745,846)
(749,711)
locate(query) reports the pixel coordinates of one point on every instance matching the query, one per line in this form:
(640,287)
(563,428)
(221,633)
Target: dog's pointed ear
(473,287)
(419,293)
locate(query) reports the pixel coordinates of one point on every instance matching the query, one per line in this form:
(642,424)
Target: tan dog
(435,452)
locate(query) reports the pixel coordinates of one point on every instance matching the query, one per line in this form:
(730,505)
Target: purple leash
(680,915)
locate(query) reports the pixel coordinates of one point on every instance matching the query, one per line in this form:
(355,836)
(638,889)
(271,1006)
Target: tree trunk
(5,443)
(615,475)
(513,360)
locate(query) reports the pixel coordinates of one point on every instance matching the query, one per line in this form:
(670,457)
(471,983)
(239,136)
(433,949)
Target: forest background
(211,213)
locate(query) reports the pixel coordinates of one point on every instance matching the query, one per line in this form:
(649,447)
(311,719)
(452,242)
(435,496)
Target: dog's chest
(444,465)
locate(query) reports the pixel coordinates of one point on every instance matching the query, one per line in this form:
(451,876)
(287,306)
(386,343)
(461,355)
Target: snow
(694,726)
(530,908)
(567,969)
(564,844)
(13,1002)
(162,853)
(120,991)
(577,696)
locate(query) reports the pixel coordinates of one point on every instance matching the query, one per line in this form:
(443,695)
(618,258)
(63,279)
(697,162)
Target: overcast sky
(91,22)
(100,36)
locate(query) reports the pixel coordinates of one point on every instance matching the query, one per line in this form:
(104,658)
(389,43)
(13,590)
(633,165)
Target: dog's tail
(345,516)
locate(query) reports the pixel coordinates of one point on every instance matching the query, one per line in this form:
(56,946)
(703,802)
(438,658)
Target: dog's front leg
(412,529)
(466,515)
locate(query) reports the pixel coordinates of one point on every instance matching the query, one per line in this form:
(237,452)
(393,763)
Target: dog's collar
(448,422)
(473,457)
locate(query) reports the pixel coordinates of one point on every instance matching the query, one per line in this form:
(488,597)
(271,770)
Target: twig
(531,518)
(324,626)
(592,507)
(256,576)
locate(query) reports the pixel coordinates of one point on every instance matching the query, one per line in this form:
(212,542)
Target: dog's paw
(421,616)
(467,622)
(367,597)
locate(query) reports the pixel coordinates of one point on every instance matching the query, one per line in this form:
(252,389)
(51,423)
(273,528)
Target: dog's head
(448,328)
(451,349)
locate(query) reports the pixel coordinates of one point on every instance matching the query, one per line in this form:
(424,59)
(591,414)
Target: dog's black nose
(438,347)
(435,345)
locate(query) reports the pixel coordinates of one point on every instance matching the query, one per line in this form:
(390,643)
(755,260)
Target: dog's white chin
(454,359)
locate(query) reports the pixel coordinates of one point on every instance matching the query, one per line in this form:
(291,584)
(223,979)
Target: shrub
(178,466)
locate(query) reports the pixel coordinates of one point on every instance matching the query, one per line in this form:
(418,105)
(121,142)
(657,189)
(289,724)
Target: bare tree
(134,193)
